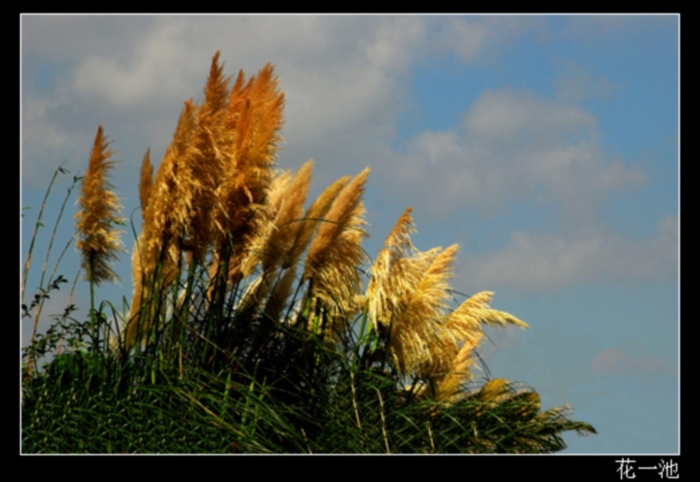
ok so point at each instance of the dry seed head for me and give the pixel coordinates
(335, 255)
(285, 205)
(216, 93)
(200, 165)
(253, 121)
(203, 166)
(184, 128)
(250, 141)
(467, 321)
(340, 219)
(416, 312)
(263, 221)
(278, 297)
(287, 221)
(390, 275)
(429, 299)
(463, 360)
(311, 219)
(274, 248)
(494, 390)
(407, 297)
(98, 241)
(448, 380)
(398, 242)
(278, 190)
(146, 181)
(170, 203)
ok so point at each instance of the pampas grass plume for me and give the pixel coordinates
(98, 240)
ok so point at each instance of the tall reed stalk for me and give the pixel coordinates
(98, 239)
(53, 282)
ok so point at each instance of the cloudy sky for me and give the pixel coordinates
(546, 146)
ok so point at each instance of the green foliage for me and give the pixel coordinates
(274, 389)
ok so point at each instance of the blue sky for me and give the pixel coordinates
(546, 146)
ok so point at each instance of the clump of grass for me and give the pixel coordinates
(250, 328)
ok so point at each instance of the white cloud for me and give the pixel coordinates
(513, 146)
(393, 45)
(344, 78)
(147, 73)
(341, 75)
(32, 113)
(474, 38)
(509, 116)
(546, 262)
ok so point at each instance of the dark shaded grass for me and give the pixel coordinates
(261, 386)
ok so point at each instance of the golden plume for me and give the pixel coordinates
(276, 240)
(446, 380)
(387, 279)
(408, 301)
(335, 254)
(418, 314)
(166, 218)
(98, 241)
(313, 216)
(467, 320)
(250, 138)
(146, 181)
